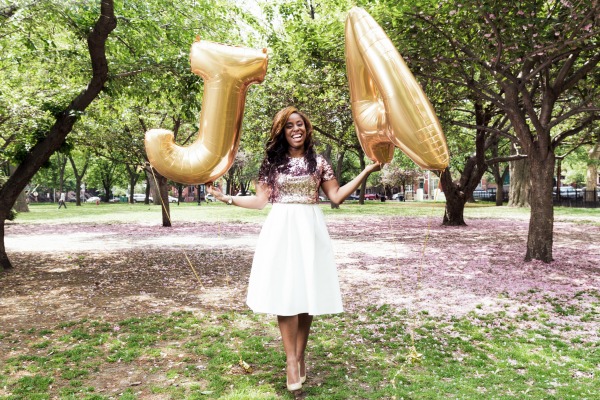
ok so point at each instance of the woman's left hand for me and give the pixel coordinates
(215, 191)
(373, 167)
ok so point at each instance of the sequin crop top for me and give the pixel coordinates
(297, 185)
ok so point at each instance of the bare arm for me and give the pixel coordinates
(338, 194)
(257, 202)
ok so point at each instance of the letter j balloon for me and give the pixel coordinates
(389, 107)
(227, 72)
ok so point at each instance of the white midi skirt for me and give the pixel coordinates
(294, 271)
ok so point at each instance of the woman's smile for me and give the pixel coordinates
(295, 131)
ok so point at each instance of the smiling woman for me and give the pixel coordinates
(293, 273)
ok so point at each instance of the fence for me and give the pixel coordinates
(571, 197)
(489, 195)
(567, 197)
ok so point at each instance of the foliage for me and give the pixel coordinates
(105, 174)
(44, 65)
(307, 69)
(394, 175)
(479, 46)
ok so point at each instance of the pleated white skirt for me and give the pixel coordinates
(294, 271)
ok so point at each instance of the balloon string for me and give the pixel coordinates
(171, 222)
(245, 366)
(414, 355)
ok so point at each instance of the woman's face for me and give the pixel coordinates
(295, 132)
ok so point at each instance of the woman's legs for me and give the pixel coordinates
(304, 322)
(294, 334)
(288, 325)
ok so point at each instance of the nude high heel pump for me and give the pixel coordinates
(294, 386)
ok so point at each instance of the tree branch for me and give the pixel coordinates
(65, 120)
(515, 157)
(571, 132)
(571, 113)
(581, 72)
(489, 129)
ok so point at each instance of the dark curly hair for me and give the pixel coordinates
(276, 157)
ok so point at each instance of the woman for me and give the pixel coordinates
(293, 273)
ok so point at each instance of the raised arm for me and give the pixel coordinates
(257, 202)
(338, 194)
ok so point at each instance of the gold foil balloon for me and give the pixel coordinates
(388, 105)
(227, 72)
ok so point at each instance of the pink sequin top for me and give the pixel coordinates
(297, 185)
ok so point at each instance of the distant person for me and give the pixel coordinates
(61, 201)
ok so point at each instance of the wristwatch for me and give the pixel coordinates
(230, 201)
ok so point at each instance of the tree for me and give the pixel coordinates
(478, 155)
(592, 172)
(152, 85)
(79, 164)
(535, 62)
(49, 138)
(399, 175)
(105, 173)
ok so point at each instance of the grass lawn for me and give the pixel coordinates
(49, 213)
(537, 342)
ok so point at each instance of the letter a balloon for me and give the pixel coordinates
(388, 105)
(227, 72)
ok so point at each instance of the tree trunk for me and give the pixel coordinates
(590, 187)
(78, 178)
(592, 174)
(558, 176)
(62, 166)
(520, 185)
(338, 173)
(160, 193)
(107, 185)
(541, 222)
(4, 260)
(455, 201)
(363, 185)
(163, 199)
(458, 193)
(179, 191)
(133, 178)
(499, 178)
(21, 203)
(55, 137)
